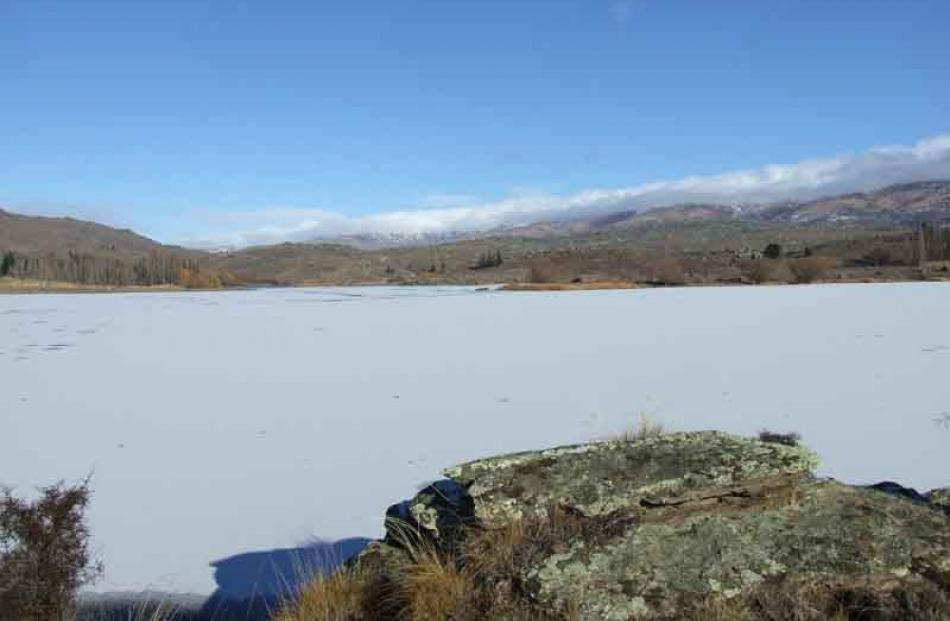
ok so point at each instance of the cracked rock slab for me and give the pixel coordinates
(827, 529)
(608, 477)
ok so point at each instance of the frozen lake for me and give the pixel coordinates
(217, 424)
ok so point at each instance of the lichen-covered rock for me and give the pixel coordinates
(823, 529)
(940, 498)
(603, 478)
(702, 515)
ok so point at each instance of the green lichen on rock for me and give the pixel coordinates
(829, 529)
(604, 478)
(675, 518)
(940, 498)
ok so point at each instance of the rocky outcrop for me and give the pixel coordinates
(609, 477)
(824, 529)
(940, 498)
(689, 515)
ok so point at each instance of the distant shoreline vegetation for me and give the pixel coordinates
(897, 234)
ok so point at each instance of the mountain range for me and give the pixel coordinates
(77, 250)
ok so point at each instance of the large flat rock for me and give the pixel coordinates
(825, 531)
(603, 478)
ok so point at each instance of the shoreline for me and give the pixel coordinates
(10, 286)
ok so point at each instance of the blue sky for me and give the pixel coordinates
(257, 121)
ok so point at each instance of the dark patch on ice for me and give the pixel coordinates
(935, 349)
(57, 346)
(87, 331)
(330, 301)
(342, 294)
(254, 584)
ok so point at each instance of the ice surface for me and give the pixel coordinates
(219, 424)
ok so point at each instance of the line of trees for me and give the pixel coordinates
(7, 263)
(936, 242)
(488, 259)
(156, 268)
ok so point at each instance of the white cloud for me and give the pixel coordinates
(877, 167)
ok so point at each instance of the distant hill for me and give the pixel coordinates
(78, 251)
(27, 234)
(893, 206)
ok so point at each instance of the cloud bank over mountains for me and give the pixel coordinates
(876, 167)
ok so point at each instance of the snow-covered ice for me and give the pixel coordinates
(221, 423)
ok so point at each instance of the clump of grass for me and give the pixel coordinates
(499, 554)
(646, 428)
(788, 439)
(142, 609)
(339, 596)
(477, 580)
(436, 588)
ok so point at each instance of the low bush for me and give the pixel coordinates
(811, 268)
(760, 271)
(542, 271)
(44, 552)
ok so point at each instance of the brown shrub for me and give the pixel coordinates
(760, 270)
(542, 271)
(44, 552)
(193, 278)
(665, 271)
(810, 269)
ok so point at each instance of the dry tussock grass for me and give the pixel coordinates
(335, 597)
(646, 428)
(479, 582)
